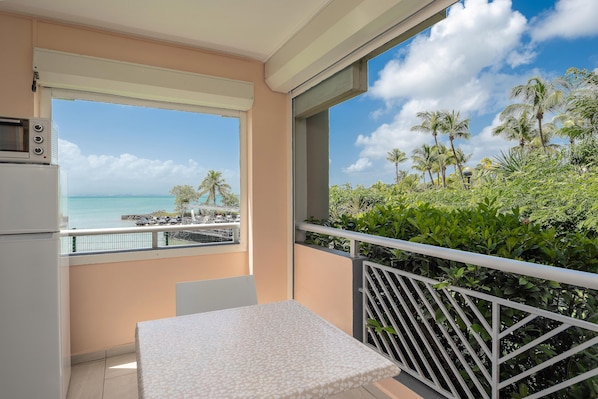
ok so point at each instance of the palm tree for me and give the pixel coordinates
(485, 168)
(424, 159)
(550, 130)
(444, 157)
(538, 97)
(518, 129)
(455, 128)
(430, 124)
(213, 183)
(230, 200)
(582, 102)
(450, 160)
(396, 156)
(572, 127)
(462, 158)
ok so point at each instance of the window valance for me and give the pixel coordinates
(78, 72)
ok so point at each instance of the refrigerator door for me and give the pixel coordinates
(35, 358)
(29, 198)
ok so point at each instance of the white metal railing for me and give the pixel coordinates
(469, 344)
(567, 276)
(81, 241)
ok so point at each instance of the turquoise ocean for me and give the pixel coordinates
(98, 212)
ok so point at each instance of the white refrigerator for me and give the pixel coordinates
(34, 290)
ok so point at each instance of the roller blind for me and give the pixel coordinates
(100, 75)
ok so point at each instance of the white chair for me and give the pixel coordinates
(207, 295)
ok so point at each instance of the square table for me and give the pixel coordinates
(276, 350)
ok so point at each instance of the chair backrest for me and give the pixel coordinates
(207, 295)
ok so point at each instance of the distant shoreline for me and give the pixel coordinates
(151, 219)
(88, 212)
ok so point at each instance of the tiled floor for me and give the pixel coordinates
(111, 378)
(116, 378)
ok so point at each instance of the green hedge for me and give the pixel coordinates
(485, 228)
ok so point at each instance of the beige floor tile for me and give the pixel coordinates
(121, 387)
(87, 380)
(357, 393)
(376, 392)
(394, 389)
(117, 366)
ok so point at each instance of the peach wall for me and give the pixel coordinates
(270, 206)
(323, 282)
(268, 170)
(107, 300)
(16, 72)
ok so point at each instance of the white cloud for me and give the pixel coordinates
(397, 134)
(359, 166)
(569, 19)
(523, 56)
(455, 67)
(473, 37)
(124, 174)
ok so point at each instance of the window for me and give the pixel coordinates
(123, 157)
(128, 159)
(131, 160)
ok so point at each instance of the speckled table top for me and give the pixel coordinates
(277, 350)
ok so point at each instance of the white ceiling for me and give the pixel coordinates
(296, 39)
(248, 28)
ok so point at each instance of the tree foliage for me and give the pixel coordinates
(537, 202)
(184, 195)
(582, 103)
(396, 156)
(538, 96)
(212, 185)
(486, 228)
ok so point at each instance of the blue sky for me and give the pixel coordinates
(111, 149)
(468, 62)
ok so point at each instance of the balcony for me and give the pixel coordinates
(457, 342)
(450, 342)
(111, 292)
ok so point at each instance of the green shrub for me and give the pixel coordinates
(486, 229)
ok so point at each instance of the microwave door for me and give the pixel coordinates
(11, 139)
(14, 139)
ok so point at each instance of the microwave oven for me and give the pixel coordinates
(27, 141)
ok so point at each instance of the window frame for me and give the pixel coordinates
(47, 94)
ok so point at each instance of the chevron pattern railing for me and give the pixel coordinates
(467, 344)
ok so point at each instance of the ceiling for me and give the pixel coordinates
(249, 28)
(297, 40)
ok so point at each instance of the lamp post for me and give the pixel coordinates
(468, 172)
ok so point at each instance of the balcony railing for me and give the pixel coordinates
(464, 343)
(80, 241)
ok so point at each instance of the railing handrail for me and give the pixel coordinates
(558, 274)
(147, 229)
